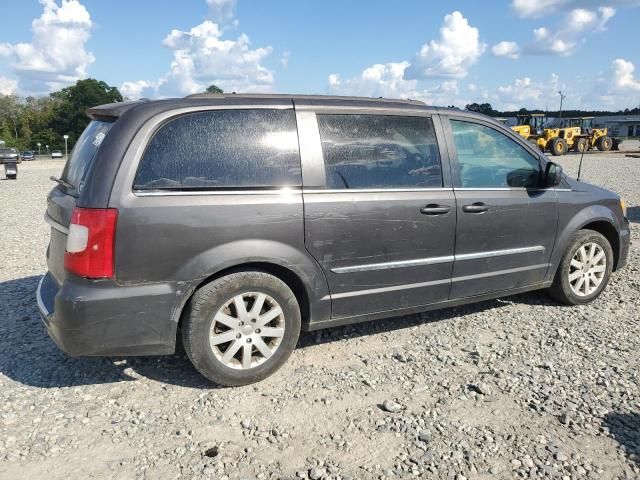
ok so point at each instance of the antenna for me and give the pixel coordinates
(580, 164)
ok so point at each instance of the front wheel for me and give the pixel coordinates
(241, 328)
(584, 270)
(604, 144)
(558, 147)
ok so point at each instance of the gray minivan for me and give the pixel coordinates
(236, 221)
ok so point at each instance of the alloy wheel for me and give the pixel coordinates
(587, 269)
(247, 330)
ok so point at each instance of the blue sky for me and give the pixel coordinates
(502, 52)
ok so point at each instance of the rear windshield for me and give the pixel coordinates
(83, 154)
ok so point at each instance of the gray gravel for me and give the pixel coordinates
(513, 388)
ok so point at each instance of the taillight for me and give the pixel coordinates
(90, 243)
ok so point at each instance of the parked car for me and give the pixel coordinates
(27, 155)
(10, 158)
(238, 221)
(56, 154)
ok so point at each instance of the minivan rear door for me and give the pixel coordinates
(379, 210)
(63, 198)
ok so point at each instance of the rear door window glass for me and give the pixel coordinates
(83, 153)
(379, 151)
(223, 149)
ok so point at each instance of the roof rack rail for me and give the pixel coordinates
(303, 97)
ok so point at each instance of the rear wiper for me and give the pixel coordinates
(59, 181)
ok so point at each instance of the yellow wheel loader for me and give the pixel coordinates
(579, 135)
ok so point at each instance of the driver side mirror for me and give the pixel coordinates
(552, 174)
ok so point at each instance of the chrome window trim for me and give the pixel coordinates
(182, 193)
(436, 260)
(507, 189)
(55, 225)
(375, 190)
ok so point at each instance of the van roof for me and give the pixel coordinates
(114, 110)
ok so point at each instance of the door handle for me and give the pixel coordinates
(477, 207)
(433, 209)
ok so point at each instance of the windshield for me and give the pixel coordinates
(83, 154)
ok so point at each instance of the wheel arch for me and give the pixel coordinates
(595, 217)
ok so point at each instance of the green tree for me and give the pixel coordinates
(214, 89)
(485, 108)
(70, 104)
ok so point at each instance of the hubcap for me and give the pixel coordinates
(247, 330)
(587, 269)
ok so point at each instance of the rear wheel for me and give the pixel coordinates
(12, 177)
(241, 328)
(580, 145)
(584, 270)
(604, 144)
(558, 147)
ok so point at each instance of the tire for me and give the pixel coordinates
(581, 145)
(558, 147)
(12, 177)
(604, 144)
(217, 301)
(562, 289)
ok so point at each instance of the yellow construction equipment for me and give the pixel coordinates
(579, 135)
(575, 134)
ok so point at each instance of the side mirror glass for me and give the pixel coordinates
(553, 174)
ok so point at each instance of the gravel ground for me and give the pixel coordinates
(513, 388)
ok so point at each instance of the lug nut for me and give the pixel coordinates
(248, 340)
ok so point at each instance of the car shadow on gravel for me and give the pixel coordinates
(28, 356)
(633, 214)
(625, 429)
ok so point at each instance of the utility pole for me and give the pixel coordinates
(562, 97)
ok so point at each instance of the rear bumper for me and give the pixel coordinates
(85, 317)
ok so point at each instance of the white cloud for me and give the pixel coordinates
(388, 81)
(458, 48)
(506, 49)
(570, 32)
(222, 10)
(8, 86)
(201, 57)
(284, 60)
(543, 8)
(56, 55)
(623, 77)
(525, 92)
(379, 80)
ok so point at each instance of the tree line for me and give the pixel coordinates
(27, 121)
(487, 109)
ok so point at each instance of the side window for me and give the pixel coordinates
(488, 158)
(223, 149)
(379, 151)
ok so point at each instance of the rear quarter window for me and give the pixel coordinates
(84, 153)
(222, 149)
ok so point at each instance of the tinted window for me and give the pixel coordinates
(84, 152)
(223, 149)
(379, 151)
(488, 158)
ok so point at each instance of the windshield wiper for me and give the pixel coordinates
(64, 183)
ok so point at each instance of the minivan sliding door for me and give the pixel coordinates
(379, 211)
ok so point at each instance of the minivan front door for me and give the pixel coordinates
(382, 225)
(507, 223)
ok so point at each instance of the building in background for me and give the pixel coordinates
(620, 126)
